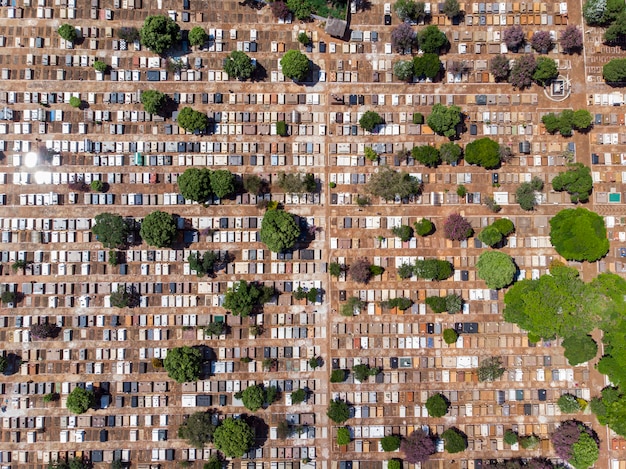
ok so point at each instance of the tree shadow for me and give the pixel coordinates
(260, 73)
(260, 429)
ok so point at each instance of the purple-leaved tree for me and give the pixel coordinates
(513, 37)
(457, 228)
(541, 42)
(572, 39)
(280, 9)
(564, 437)
(417, 447)
(500, 68)
(522, 71)
(402, 37)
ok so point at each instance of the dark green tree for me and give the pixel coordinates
(100, 66)
(390, 442)
(424, 227)
(338, 411)
(362, 372)
(451, 8)
(68, 32)
(338, 376)
(80, 400)
(443, 120)
(546, 70)
(295, 64)
(183, 364)
(450, 336)
(197, 429)
(427, 66)
(243, 297)
(404, 232)
(301, 9)
(568, 404)
(437, 405)
(192, 120)
(121, 298)
(455, 441)
(233, 437)
(298, 396)
(388, 184)
(158, 229)
(343, 436)
(195, 184)
(3, 363)
(369, 120)
(483, 152)
(497, 269)
(431, 39)
(159, 33)
(577, 181)
(578, 234)
(427, 155)
(279, 230)
(198, 36)
(490, 369)
(238, 65)
(153, 101)
(451, 153)
(490, 236)
(222, 182)
(110, 229)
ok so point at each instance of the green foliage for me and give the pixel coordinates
(222, 183)
(510, 437)
(121, 297)
(400, 302)
(443, 120)
(233, 437)
(436, 303)
(390, 443)
(613, 10)
(431, 39)
(585, 452)
(424, 227)
(461, 191)
(490, 236)
(404, 232)
(376, 270)
(215, 328)
(202, 264)
(253, 184)
(238, 65)
(579, 348)
(253, 397)
(297, 183)
(303, 38)
(427, 155)
(433, 269)
(483, 152)
(578, 234)
(110, 230)
(97, 185)
(80, 400)
(403, 70)
(490, 369)
(351, 306)
(437, 405)
(418, 118)
(343, 436)
(568, 404)
(183, 364)
(369, 120)
(338, 376)
(281, 128)
(427, 66)
(370, 154)
(546, 70)
(9, 297)
(454, 303)
(279, 230)
(576, 181)
(504, 226)
(338, 411)
(128, 34)
(75, 101)
(214, 462)
(335, 269)
(614, 71)
(451, 8)
(197, 36)
(450, 336)
(409, 10)
(195, 184)
(153, 101)
(295, 64)
(298, 396)
(582, 119)
(388, 184)
(68, 32)
(301, 9)
(526, 197)
(593, 12)
(192, 120)
(497, 269)
(405, 271)
(529, 442)
(50, 397)
(454, 440)
(451, 153)
(159, 33)
(394, 464)
(197, 429)
(158, 229)
(243, 298)
(362, 372)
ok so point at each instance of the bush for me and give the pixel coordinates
(243, 297)
(343, 436)
(409, 10)
(68, 32)
(404, 232)
(497, 269)
(450, 336)
(338, 376)
(75, 101)
(490, 369)
(80, 400)
(418, 118)
(451, 153)
(360, 271)
(394, 464)
(370, 154)
(504, 226)
(436, 303)
(427, 155)
(579, 348)
(578, 234)
(424, 227)
(369, 120)
(568, 404)
(461, 191)
(335, 269)
(376, 270)
(529, 442)
(197, 429)
(457, 228)
(454, 440)
(400, 302)
(510, 437)
(433, 269)
(390, 443)
(614, 71)
(483, 152)
(526, 197)
(405, 271)
(295, 65)
(454, 303)
(97, 186)
(490, 236)
(362, 372)
(437, 405)
(197, 36)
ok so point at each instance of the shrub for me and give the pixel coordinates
(369, 120)
(450, 336)
(545, 70)
(436, 303)
(281, 128)
(433, 269)
(338, 411)
(461, 191)
(343, 436)
(568, 404)
(394, 464)
(295, 65)
(418, 118)
(68, 32)
(457, 228)
(335, 269)
(443, 120)
(390, 443)
(424, 227)
(298, 396)
(437, 405)
(75, 101)
(490, 236)
(454, 440)
(526, 197)
(510, 437)
(197, 36)
(427, 66)
(405, 271)
(389, 184)
(338, 376)
(360, 271)
(304, 39)
(451, 153)
(504, 226)
(614, 71)
(490, 369)
(80, 400)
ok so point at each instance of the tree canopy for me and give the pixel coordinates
(195, 184)
(183, 364)
(158, 229)
(238, 65)
(437, 405)
(576, 443)
(197, 429)
(578, 234)
(243, 297)
(614, 71)
(159, 33)
(295, 65)
(253, 397)
(279, 230)
(455, 441)
(497, 269)
(577, 181)
(68, 32)
(222, 182)
(369, 120)
(390, 442)
(483, 152)
(443, 120)
(490, 369)
(338, 411)
(233, 437)
(431, 39)
(417, 447)
(197, 36)
(545, 70)
(427, 66)
(191, 120)
(427, 155)
(153, 101)
(388, 183)
(80, 400)
(110, 229)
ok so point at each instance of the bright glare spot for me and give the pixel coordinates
(43, 177)
(30, 160)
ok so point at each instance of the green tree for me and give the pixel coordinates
(443, 120)
(121, 298)
(197, 429)
(110, 229)
(409, 10)
(613, 10)
(403, 70)
(577, 181)
(3, 365)
(243, 297)
(388, 184)
(295, 64)
(504, 226)
(233, 437)
(450, 336)
(352, 305)
(214, 462)
(451, 153)
(529, 442)
(159, 33)
(433, 269)
(583, 120)
(585, 452)
(490, 369)
(454, 440)
(593, 12)
(338, 411)
(297, 183)
(68, 32)
(431, 39)
(80, 400)
(369, 120)
(222, 183)
(497, 269)
(253, 184)
(100, 66)
(483, 152)
(197, 36)
(579, 348)
(302, 9)
(298, 396)
(424, 227)
(568, 404)
(578, 234)
(405, 271)
(343, 436)
(192, 120)
(427, 155)
(451, 8)
(195, 184)
(510, 437)
(279, 230)
(526, 197)
(183, 364)
(551, 122)
(75, 101)
(362, 372)
(437, 405)
(153, 101)
(390, 443)
(281, 128)
(546, 70)
(404, 232)
(427, 66)
(97, 185)
(215, 328)
(335, 269)
(158, 229)
(614, 71)
(253, 397)
(490, 236)
(239, 65)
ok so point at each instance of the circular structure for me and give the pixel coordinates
(30, 159)
(559, 89)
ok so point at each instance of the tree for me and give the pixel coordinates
(338, 411)
(214, 462)
(197, 429)
(110, 229)
(490, 369)
(431, 39)
(297, 183)
(427, 155)
(541, 42)
(450, 336)
(198, 36)
(403, 70)
(159, 33)
(9, 297)
(335, 269)
(279, 9)
(389, 184)
(568, 404)
(572, 39)
(455, 441)
(613, 10)
(496, 268)
(304, 39)
(578, 234)
(192, 120)
(593, 12)
(121, 298)
(614, 71)
(444, 120)
(451, 8)
(424, 227)
(75, 102)
(450, 153)
(579, 349)
(243, 298)
(504, 226)
(183, 364)
(513, 37)
(437, 405)
(551, 122)
(526, 197)
(404, 232)
(215, 328)
(295, 64)
(362, 372)
(390, 443)
(100, 66)
(253, 397)
(500, 68)
(352, 305)
(222, 182)
(454, 303)
(338, 376)
(582, 119)
(97, 185)
(128, 34)
(545, 70)
(302, 9)
(417, 447)
(522, 71)
(403, 38)
(233, 437)
(343, 436)
(360, 271)
(483, 152)
(409, 10)
(195, 184)
(490, 236)
(298, 396)
(427, 66)
(153, 101)
(279, 230)
(510, 437)
(253, 184)
(577, 181)
(158, 229)
(585, 452)
(457, 228)
(491, 204)
(239, 65)
(80, 400)
(43, 330)
(576, 443)
(369, 120)
(68, 32)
